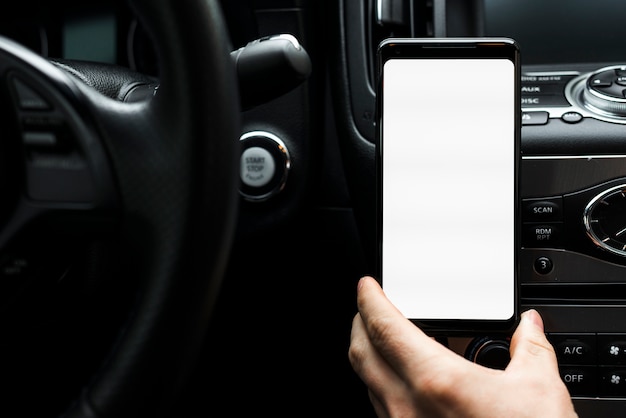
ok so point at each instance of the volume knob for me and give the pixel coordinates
(489, 352)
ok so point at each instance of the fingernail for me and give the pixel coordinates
(534, 317)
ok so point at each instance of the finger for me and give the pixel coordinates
(529, 346)
(532, 355)
(382, 382)
(404, 346)
(380, 410)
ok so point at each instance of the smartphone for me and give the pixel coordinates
(447, 164)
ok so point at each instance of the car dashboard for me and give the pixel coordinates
(305, 237)
(572, 265)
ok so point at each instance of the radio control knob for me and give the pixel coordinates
(489, 352)
(605, 91)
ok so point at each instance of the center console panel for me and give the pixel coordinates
(573, 180)
(573, 260)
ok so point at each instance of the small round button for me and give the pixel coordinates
(543, 265)
(488, 352)
(264, 165)
(572, 117)
(257, 167)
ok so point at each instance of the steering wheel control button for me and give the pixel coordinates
(264, 165)
(543, 265)
(571, 117)
(40, 139)
(27, 98)
(257, 167)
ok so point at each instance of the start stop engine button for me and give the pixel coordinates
(264, 165)
(257, 167)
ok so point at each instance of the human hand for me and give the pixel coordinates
(409, 374)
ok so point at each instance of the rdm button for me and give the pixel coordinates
(539, 235)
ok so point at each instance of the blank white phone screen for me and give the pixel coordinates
(448, 135)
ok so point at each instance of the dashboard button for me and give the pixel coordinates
(547, 100)
(571, 117)
(543, 210)
(264, 165)
(612, 349)
(257, 167)
(543, 265)
(542, 234)
(580, 380)
(598, 82)
(534, 118)
(488, 352)
(574, 348)
(28, 98)
(612, 382)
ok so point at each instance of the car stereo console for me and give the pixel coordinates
(573, 196)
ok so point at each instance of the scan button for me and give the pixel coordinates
(541, 210)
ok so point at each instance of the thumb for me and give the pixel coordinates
(529, 346)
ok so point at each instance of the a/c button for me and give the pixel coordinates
(257, 167)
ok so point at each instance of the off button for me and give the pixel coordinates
(257, 167)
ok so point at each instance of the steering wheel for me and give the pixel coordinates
(160, 175)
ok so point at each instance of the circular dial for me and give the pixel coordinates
(605, 91)
(605, 220)
(489, 352)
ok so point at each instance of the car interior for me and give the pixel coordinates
(190, 199)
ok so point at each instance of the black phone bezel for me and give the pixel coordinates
(452, 48)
